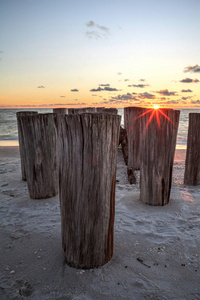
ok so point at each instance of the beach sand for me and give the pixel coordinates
(156, 249)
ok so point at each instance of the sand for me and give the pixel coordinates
(156, 249)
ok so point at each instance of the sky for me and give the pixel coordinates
(111, 53)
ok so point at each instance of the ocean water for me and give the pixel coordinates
(9, 132)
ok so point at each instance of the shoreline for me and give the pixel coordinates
(156, 249)
(14, 143)
(5, 148)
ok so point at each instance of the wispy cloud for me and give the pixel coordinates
(127, 96)
(124, 99)
(98, 32)
(63, 104)
(105, 88)
(186, 91)
(138, 85)
(106, 84)
(195, 101)
(189, 80)
(41, 87)
(185, 98)
(146, 96)
(74, 90)
(166, 93)
(62, 96)
(172, 102)
(194, 69)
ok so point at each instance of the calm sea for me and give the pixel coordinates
(9, 133)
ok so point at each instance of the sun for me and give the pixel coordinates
(156, 106)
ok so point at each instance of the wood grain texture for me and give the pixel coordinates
(81, 110)
(60, 111)
(88, 146)
(192, 162)
(157, 156)
(125, 117)
(106, 110)
(40, 142)
(21, 140)
(134, 129)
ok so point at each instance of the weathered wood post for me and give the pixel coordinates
(157, 155)
(106, 110)
(125, 117)
(192, 162)
(99, 109)
(134, 130)
(81, 110)
(40, 142)
(87, 174)
(132, 116)
(21, 140)
(60, 110)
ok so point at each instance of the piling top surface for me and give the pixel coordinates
(24, 113)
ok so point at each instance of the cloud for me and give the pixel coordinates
(99, 89)
(58, 104)
(195, 101)
(138, 85)
(41, 87)
(142, 80)
(172, 102)
(74, 90)
(126, 79)
(166, 93)
(119, 73)
(106, 88)
(186, 91)
(107, 84)
(90, 24)
(93, 35)
(122, 99)
(74, 104)
(93, 24)
(127, 96)
(100, 32)
(146, 96)
(194, 69)
(189, 80)
(62, 96)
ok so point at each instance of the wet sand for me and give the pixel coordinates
(156, 249)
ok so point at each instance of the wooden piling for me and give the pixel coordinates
(134, 130)
(40, 141)
(106, 110)
(21, 140)
(125, 117)
(192, 162)
(60, 110)
(88, 146)
(157, 155)
(81, 110)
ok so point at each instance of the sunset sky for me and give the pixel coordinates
(111, 53)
